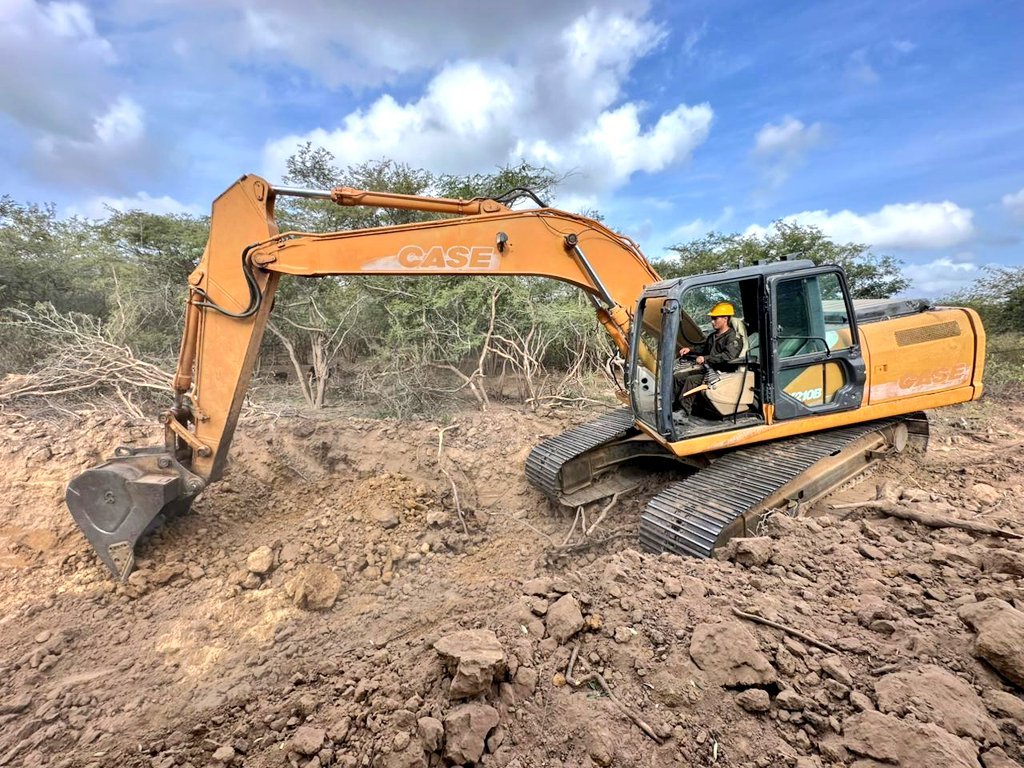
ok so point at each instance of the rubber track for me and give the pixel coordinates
(545, 462)
(687, 517)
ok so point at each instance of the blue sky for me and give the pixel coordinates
(900, 125)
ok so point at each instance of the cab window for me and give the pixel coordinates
(811, 315)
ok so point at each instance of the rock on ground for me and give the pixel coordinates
(260, 561)
(308, 740)
(937, 696)
(465, 730)
(224, 754)
(729, 653)
(600, 744)
(1003, 561)
(1000, 638)
(1002, 704)
(997, 758)
(564, 618)
(907, 744)
(752, 551)
(476, 658)
(754, 700)
(431, 733)
(316, 588)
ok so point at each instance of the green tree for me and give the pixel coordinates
(871, 275)
(45, 259)
(413, 330)
(998, 295)
(157, 252)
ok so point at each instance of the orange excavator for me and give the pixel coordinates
(822, 387)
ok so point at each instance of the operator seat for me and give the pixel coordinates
(735, 391)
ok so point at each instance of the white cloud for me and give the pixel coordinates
(860, 70)
(117, 140)
(941, 277)
(699, 227)
(1014, 203)
(124, 123)
(99, 207)
(901, 225)
(789, 137)
(61, 89)
(560, 107)
(57, 66)
(781, 147)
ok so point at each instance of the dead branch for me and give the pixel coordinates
(81, 355)
(522, 522)
(929, 519)
(785, 628)
(300, 376)
(597, 678)
(561, 399)
(604, 513)
(575, 521)
(451, 480)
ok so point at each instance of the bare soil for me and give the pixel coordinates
(200, 661)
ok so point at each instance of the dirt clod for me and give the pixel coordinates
(307, 740)
(754, 700)
(729, 653)
(465, 729)
(906, 743)
(316, 588)
(1000, 636)
(260, 560)
(564, 618)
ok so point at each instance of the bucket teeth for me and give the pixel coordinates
(117, 502)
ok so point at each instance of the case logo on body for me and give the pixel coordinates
(454, 258)
(934, 379)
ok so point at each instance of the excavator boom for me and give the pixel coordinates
(231, 294)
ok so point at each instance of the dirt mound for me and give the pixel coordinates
(331, 604)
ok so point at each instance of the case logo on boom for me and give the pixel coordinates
(454, 258)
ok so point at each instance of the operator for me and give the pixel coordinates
(722, 346)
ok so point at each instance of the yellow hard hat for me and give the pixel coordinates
(722, 309)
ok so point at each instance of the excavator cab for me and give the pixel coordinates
(800, 356)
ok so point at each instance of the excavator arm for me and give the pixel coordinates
(231, 295)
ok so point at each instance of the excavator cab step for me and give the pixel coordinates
(117, 502)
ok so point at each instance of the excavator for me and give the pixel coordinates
(823, 387)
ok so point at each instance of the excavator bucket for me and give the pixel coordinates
(118, 501)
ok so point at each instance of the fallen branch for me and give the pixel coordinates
(929, 519)
(574, 549)
(561, 399)
(451, 480)
(785, 628)
(600, 517)
(575, 522)
(596, 677)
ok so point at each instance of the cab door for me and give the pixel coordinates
(817, 366)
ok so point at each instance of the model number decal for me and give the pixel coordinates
(806, 395)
